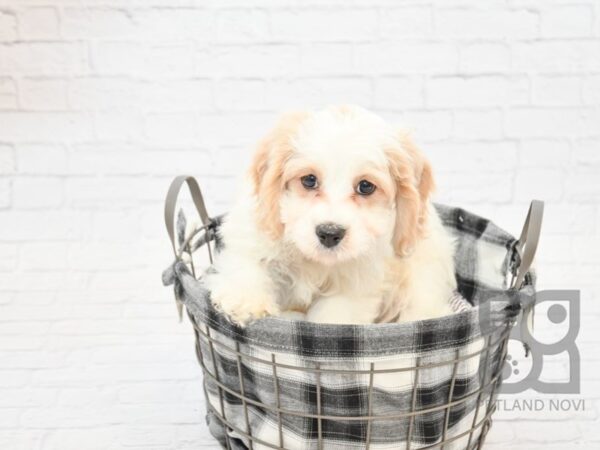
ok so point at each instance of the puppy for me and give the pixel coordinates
(335, 223)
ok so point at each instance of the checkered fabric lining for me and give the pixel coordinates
(236, 359)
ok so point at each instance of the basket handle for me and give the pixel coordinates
(526, 247)
(171, 202)
(528, 242)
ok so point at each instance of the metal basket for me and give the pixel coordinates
(259, 396)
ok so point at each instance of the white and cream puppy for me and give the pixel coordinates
(335, 224)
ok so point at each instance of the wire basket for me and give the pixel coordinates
(281, 384)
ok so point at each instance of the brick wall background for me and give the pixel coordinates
(102, 102)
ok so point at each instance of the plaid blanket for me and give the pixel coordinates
(298, 385)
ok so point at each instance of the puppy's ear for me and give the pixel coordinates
(422, 168)
(413, 177)
(266, 171)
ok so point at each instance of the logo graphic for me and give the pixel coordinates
(543, 357)
(557, 324)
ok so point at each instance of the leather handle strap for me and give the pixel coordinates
(526, 247)
(171, 203)
(528, 241)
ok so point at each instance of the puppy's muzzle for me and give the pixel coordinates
(330, 234)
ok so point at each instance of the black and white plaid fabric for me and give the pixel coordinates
(300, 385)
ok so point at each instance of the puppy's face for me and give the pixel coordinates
(338, 198)
(339, 184)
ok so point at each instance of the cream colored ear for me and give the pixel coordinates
(422, 167)
(266, 171)
(414, 184)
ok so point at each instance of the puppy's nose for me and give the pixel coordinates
(330, 234)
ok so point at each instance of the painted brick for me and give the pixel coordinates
(557, 90)
(490, 57)
(476, 91)
(44, 58)
(591, 90)
(429, 124)
(8, 94)
(318, 91)
(406, 22)
(103, 94)
(43, 94)
(242, 25)
(327, 58)
(490, 23)
(399, 93)
(540, 183)
(556, 56)
(37, 193)
(178, 95)
(394, 58)
(8, 27)
(7, 160)
(43, 256)
(312, 25)
(478, 124)
(174, 24)
(39, 23)
(98, 23)
(544, 153)
(552, 122)
(5, 193)
(248, 61)
(52, 127)
(42, 159)
(567, 21)
(9, 254)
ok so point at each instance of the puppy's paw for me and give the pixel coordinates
(242, 300)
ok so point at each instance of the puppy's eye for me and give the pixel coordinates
(365, 187)
(309, 181)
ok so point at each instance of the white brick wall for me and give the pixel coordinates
(102, 102)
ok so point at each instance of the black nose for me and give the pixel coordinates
(330, 234)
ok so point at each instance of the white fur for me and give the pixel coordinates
(429, 271)
(258, 274)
